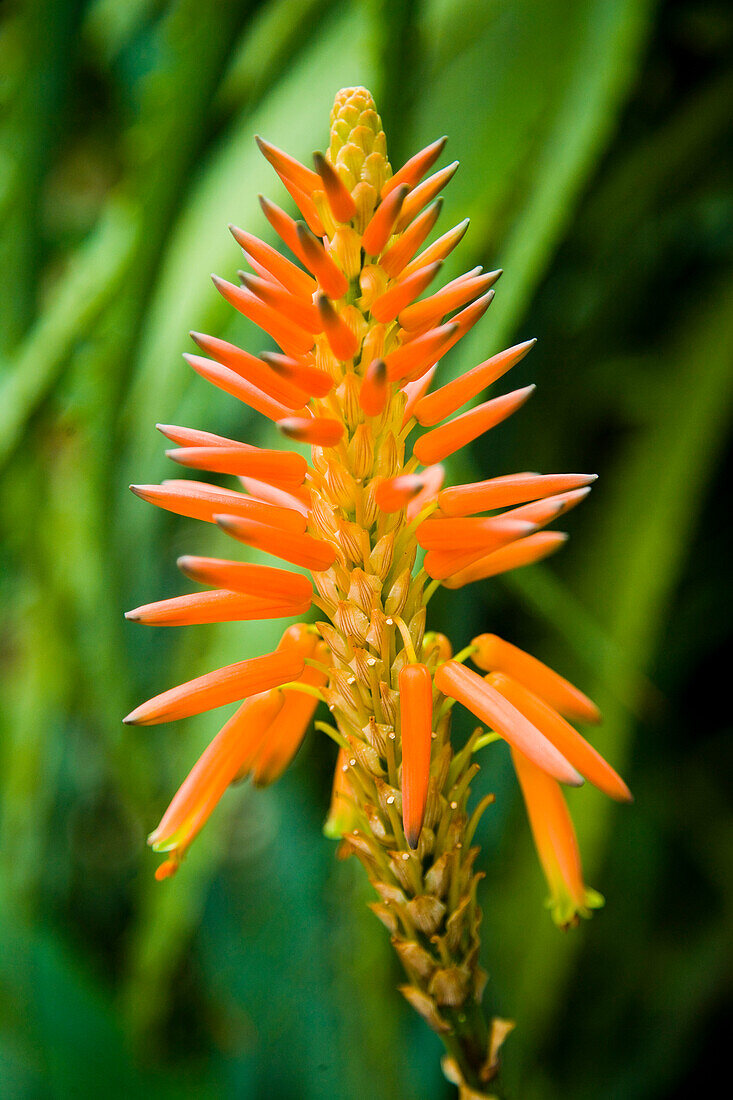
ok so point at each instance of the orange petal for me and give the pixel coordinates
(404, 247)
(449, 398)
(500, 492)
(288, 166)
(198, 500)
(291, 338)
(425, 193)
(413, 170)
(216, 768)
(223, 606)
(382, 222)
(319, 431)
(374, 388)
(567, 740)
(493, 654)
(292, 278)
(339, 197)
(431, 311)
(441, 442)
(420, 354)
(416, 721)
(524, 551)
(232, 383)
(468, 688)
(216, 689)
(332, 280)
(439, 249)
(343, 341)
(251, 368)
(556, 843)
(301, 550)
(263, 581)
(303, 313)
(312, 380)
(386, 307)
(281, 466)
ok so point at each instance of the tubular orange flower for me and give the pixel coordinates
(358, 354)
(500, 492)
(215, 689)
(556, 843)
(416, 719)
(201, 501)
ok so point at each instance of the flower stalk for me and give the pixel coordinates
(368, 521)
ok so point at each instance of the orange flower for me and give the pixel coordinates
(557, 846)
(360, 339)
(416, 717)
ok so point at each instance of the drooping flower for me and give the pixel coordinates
(361, 333)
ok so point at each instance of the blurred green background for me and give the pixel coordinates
(594, 140)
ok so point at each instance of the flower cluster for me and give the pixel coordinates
(374, 532)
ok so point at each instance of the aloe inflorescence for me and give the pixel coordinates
(374, 532)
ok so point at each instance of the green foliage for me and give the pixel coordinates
(591, 137)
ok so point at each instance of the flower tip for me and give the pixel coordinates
(133, 616)
(412, 835)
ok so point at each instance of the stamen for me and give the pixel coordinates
(216, 689)
(279, 466)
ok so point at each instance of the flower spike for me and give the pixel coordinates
(362, 324)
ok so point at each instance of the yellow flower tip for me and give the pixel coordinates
(566, 911)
